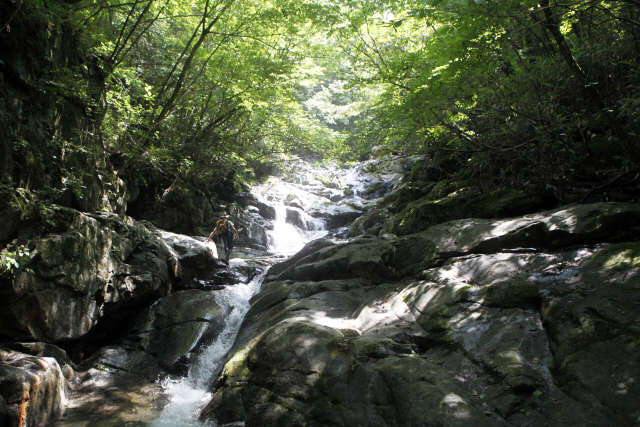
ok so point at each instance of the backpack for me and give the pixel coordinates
(222, 225)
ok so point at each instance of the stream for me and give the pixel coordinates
(189, 394)
(303, 206)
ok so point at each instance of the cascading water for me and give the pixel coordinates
(188, 395)
(286, 239)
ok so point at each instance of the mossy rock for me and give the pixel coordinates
(398, 200)
(619, 257)
(424, 171)
(368, 221)
(513, 293)
(463, 203)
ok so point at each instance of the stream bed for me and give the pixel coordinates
(110, 393)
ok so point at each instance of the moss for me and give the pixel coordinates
(238, 367)
(354, 206)
(453, 187)
(512, 293)
(619, 257)
(339, 345)
(464, 202)
(495, 202)
(419, 172)
(464, 292)
(405, 195)
(438, 190)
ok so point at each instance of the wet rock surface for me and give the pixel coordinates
(31, 389)
(176, 325)
(100, 279)
(424, 317)
(524, 321)
(91, 274)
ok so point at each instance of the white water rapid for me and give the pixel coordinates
(189, 394)
(286, 239)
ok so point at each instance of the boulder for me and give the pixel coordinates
(295, 217)
(403, 194)
(373, 219)
(66, 277)
(425, 171)
(246, 199)
(476, 322)
(266, 211)
(463, 203)
(380, 150)
(337, 215)
(32, 390)
(549, 230)
(114, 361)
(175, 326)
(192, 253)
(91, 273)
(376, 189)
(41, 349)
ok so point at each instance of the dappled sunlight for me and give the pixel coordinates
(513, 356)
(453, 400)
(112, 399)
(484, 269)
(564, 219)
(320, 318)
(375, 316)
(457, 404)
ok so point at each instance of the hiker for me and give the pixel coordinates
(226, 231)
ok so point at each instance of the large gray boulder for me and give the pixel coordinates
(483, 322)
(383, 259)
(175, 326)
(338, 215)
(91, 271)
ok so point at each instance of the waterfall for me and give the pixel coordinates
(189, 394)
(286, 239)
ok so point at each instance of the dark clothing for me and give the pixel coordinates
(227, 241)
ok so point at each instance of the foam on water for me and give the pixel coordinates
(189, 394)
(286, 239)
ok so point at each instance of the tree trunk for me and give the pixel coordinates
(550, 24)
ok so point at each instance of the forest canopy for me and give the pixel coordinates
(537, 94)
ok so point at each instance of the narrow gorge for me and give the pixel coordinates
(437, 205)
(381, 319)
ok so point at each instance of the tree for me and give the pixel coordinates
(493, 84)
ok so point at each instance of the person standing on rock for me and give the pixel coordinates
(227, 232)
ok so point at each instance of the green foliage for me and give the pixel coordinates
(485, 85)
(201, 89)
(11, 258)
